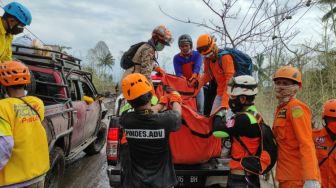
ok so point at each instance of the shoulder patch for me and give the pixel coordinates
(230, 123)
(320, 140)
(297, 111)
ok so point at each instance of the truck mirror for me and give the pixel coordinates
(88, 100)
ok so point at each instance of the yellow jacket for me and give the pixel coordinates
(30, 156)
(5, 44)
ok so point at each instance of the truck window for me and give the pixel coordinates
(74, 90)
(87, 91)
(47, 92)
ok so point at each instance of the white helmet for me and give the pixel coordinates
(242, 85)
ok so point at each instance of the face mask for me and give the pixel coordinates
(159, 46)
(208, 55)
(332, 127)
(16, 30)
(236, 105)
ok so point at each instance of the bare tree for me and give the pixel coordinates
(255, 25)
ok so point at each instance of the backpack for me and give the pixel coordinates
(126, 61)
(242, 62)
(267, 153)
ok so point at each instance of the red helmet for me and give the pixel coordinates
(329, 108)
(14, 73)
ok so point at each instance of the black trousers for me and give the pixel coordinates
(241, 181)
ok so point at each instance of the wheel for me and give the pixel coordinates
(99, 143)
(55, 175)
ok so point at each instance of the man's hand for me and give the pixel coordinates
(175, 97)
(159, 70)
(193, 81)
(222, 113)
(163, 100)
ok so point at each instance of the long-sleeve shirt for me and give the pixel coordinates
(222, 75)
(146, 62)
(5, 44)
(296, 151)
(323, 145)
(187, 65)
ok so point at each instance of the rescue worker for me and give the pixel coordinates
(325, 145)
(147, 134)
(242, 126)
(297, 165)
(188, 64)
(206, 45)
(24, 155)
(145, 57)
(13, 21)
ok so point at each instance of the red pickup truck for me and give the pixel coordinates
(72, 122)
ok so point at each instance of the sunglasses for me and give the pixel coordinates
(203, 48)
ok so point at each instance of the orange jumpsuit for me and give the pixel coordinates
(297, 160)
(223, 75)
(323, 144)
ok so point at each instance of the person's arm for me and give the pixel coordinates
(198, 63)
(301, 123)
(6, 143)
(172, 118)
(8, 52)
(234, 126)
(228, 69)
(146, 60)
(177, 66)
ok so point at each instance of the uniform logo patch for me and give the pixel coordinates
(320, 140)
(282, 113)
(145, 133)
(230, 123)
(297, 112)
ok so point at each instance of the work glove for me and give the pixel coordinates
(159, 70)
(219, 133)
(193, 80)
(164, 100)
(175, 97)
(311, 184)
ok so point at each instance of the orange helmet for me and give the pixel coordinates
(288, 72)
(134, 85)
(14, 73)
(206, 44)
(329, 108)
(162, 34)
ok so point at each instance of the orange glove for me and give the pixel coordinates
(193, 81)
(159, 70)
(164, 100)
(175, 97)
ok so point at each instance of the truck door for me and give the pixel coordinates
(79, 112)
(92, 110)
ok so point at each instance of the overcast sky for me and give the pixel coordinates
(80, 24)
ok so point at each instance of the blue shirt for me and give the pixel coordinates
(187, 65)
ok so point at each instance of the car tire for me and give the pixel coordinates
(55, 174)
(99, 143)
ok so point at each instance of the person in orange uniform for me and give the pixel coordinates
(297, 165)
(325, 144)
(206, 45)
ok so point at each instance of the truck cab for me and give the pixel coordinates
(73, 109)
